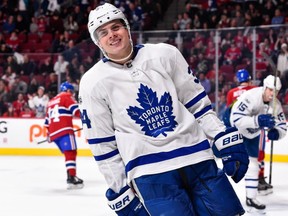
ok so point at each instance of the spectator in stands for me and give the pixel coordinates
(19, 103)
(9, 25)
(4, 91)
(72, 52)
(10, 112)
(9, 76)
(39, 102)
(282, 65)
(205, 82)
(21, 26)
(2, 39)
(135, 16)
(233, 55)
(5, 49)
(60, 66)
(56, 25)
(78, 15)
(88, 62)
(3, 107)
(42, 25)
(278, 18)
(27, 112)
(28, 67)
(46, 67)
(13, 41)
(32, 87)
(70, 25)
(52, 86)
(19, 86)
(33, 26)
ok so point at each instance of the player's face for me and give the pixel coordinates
(113, 37)
(268, 94)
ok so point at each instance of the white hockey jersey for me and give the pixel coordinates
(245, 111)
(146, 117)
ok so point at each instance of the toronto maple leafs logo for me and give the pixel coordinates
(155, 117)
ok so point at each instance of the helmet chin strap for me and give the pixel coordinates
(123, 59)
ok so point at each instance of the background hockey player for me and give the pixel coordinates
(244, 79)
(147, 120)
(58, 121)
(250, 113)
(245, 83)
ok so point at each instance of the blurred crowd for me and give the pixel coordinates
(45, 41)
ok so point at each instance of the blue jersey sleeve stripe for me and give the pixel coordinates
(106, 156)
(162, 156)
(203, 111)
(101, 140)
(237, 113)
(195, 100)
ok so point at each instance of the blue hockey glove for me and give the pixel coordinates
(266, 120)
(125, 203)
(233, 153)
(273, 134)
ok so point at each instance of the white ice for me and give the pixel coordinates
(36, 186)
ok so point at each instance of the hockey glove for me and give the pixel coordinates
(273, 134)
(125, 203)
(233, 153)
(266, 120)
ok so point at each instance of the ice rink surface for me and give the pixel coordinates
(36, 186)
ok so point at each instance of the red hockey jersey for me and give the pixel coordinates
(59, 115)
(234, 93)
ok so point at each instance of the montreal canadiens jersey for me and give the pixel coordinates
(59, 115)
(234, 93)
(146, 117)
(248, 106)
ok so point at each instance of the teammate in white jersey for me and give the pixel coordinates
(149, 123)
(253, 111)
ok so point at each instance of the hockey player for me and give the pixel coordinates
(244, 80)
(250, 113)
(148, 122)
(58, 121)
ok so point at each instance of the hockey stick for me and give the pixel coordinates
(46, 140)
(274, 68)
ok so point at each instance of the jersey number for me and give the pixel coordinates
(54, 113)
(85, 119)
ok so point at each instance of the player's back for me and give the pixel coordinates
(234, 93)
(59, 115)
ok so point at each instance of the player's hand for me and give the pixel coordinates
(266, 120)
(125, 203)
(233, 153)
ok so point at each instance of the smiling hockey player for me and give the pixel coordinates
(149, 123)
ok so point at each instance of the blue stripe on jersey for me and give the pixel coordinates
(101, 140)
(73, 107)
(64, 111)
(203, 111)
(106, 156)
(195, 100)
(163, 156)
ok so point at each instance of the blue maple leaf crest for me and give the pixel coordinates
(155, 117)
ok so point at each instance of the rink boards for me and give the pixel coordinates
(20, 137)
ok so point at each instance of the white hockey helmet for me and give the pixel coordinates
(102, 15)
(269, 82)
